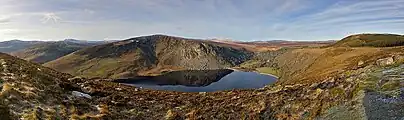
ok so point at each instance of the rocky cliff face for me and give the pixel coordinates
(142, 55)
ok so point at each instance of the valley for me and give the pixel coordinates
(337, 80)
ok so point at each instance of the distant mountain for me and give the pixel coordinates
(272, 45)
(148, 55)
(371, 40)
(48, 51)
(15, 45)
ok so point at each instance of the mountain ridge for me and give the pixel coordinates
(371, 40)
(141, 55)
(48, 51)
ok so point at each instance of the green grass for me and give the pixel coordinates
(391, 85)
(268, 70)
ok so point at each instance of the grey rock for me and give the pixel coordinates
(80, 94)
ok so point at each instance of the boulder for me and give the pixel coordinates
(80, 95)
(385, 61)
(360, 63)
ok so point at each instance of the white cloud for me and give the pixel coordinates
(4, 19)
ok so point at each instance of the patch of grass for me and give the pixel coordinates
(391, 85)
(268, 70)
(336, 91)
(250, 64)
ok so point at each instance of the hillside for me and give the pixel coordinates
(265, 46)
(370, 90)
(15, 45)
(148, 55)
(315, 83)
(48, 51)
(371, 40)
(30, 91)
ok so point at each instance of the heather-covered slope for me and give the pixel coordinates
(48, 51)
(311, 64)
(148, 55)
(31, 91)
(371, 40)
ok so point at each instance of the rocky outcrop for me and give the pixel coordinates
(385, 61)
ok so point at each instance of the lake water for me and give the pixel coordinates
(202, 80)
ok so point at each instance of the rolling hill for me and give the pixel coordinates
(15, 45)
(48, 51)
(371, 40)
(148, 55)
(315, 83)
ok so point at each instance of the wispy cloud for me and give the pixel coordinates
(50, 17)
(236, 19)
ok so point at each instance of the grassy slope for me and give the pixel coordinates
(371, 40)
(311, 65)
(33, 91)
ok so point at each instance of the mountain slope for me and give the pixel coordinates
(15, 45)
(49, 51)
(148, 55)
(31, 91)
(352, 83)
(371, 40)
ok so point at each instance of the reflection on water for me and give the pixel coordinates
(202, 80)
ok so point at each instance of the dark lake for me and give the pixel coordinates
(202, 80)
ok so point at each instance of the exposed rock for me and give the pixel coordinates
(385, 61)
(80, 94)
(360, 63)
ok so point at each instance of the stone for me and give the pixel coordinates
(385, 61)
(360, 63)
(80, 94)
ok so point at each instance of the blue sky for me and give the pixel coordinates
(224, 19)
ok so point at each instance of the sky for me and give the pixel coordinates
(246, 20)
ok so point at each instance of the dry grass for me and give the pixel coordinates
(313, 64)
